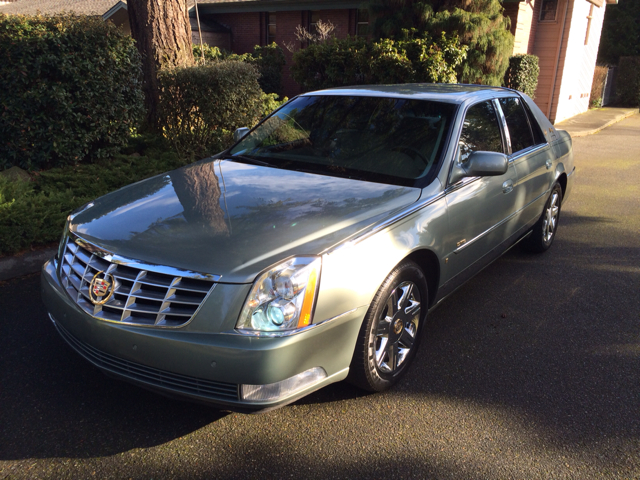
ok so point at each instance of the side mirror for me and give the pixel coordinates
(480, 164)
(239, 133)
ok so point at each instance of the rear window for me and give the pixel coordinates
(517, 123)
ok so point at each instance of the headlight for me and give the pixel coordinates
(282, 298)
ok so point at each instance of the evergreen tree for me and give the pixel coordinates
(478, 23)
(620, 32)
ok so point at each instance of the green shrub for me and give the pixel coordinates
(71, 90)
(270, 62)
(597, 86)
(200, 107)
(211, 53)
(522, 74)
(268, 59)
(628, 81)
(356, 61)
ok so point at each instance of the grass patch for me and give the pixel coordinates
(32, 213)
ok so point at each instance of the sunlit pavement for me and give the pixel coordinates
(531, 370)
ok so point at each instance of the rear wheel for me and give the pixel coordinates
(544, 231)
(389, 335)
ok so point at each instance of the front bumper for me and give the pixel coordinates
(202, 366)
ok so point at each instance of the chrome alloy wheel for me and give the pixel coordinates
(397, 326)
(551, 217)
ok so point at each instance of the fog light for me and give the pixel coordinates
(283, 389)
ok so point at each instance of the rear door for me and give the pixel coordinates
(531, 156)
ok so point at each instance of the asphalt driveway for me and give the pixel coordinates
(532, 370)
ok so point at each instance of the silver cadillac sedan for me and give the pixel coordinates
(312, 250)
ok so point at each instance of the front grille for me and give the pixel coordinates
(149, 375)
(140, 296)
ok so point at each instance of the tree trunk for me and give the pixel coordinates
(162, 33)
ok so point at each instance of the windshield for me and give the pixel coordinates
(388, 140)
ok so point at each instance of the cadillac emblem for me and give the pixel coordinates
(100, 289)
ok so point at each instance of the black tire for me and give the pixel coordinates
(387, 343)
(544, 231)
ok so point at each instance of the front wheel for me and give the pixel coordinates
(389, 335)
(544, 231)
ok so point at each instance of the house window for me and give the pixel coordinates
(362, 22)
(548, 10)
(271, 27)
(313, 22)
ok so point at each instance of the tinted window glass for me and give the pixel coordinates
(517, 122)
(390, 140)
(481, 131)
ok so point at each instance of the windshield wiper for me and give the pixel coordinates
(251, 160)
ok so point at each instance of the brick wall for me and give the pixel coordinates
(249, 29)
(246, 29)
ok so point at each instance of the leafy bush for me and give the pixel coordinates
(355, 61)
(211, 53)
(522, 74)
(628, 81)
(597, 86)
(269, 60)
(479, 24)
(33, 212)
(71, 90)
(200, 107)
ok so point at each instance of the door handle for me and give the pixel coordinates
(549, 163)
(507, 186)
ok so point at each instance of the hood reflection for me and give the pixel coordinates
(234, 219)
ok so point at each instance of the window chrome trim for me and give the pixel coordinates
(503, 121)
(500, 223)
(130, 262)
(527, 151)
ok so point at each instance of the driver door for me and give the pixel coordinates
(478, 208)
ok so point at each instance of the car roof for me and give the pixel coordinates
(443, 92)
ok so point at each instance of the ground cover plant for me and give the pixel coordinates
(32, 213)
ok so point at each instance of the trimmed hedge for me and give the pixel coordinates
(200, 107)
(628, 81)
(356, 61)
(71, 90)
(522, 74)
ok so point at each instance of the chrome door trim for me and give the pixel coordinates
(503, 123)
(527, 151)
(502, 222)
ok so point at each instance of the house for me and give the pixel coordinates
(564, 34)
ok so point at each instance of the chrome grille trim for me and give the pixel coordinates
(152, 376)
(143, 294)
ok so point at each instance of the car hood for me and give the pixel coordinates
(233, 219)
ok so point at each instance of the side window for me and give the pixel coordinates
(517, 122)
(480, 131)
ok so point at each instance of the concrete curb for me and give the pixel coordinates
(24, 264)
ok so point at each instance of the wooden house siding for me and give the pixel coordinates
(567, 87)
(579, 61)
